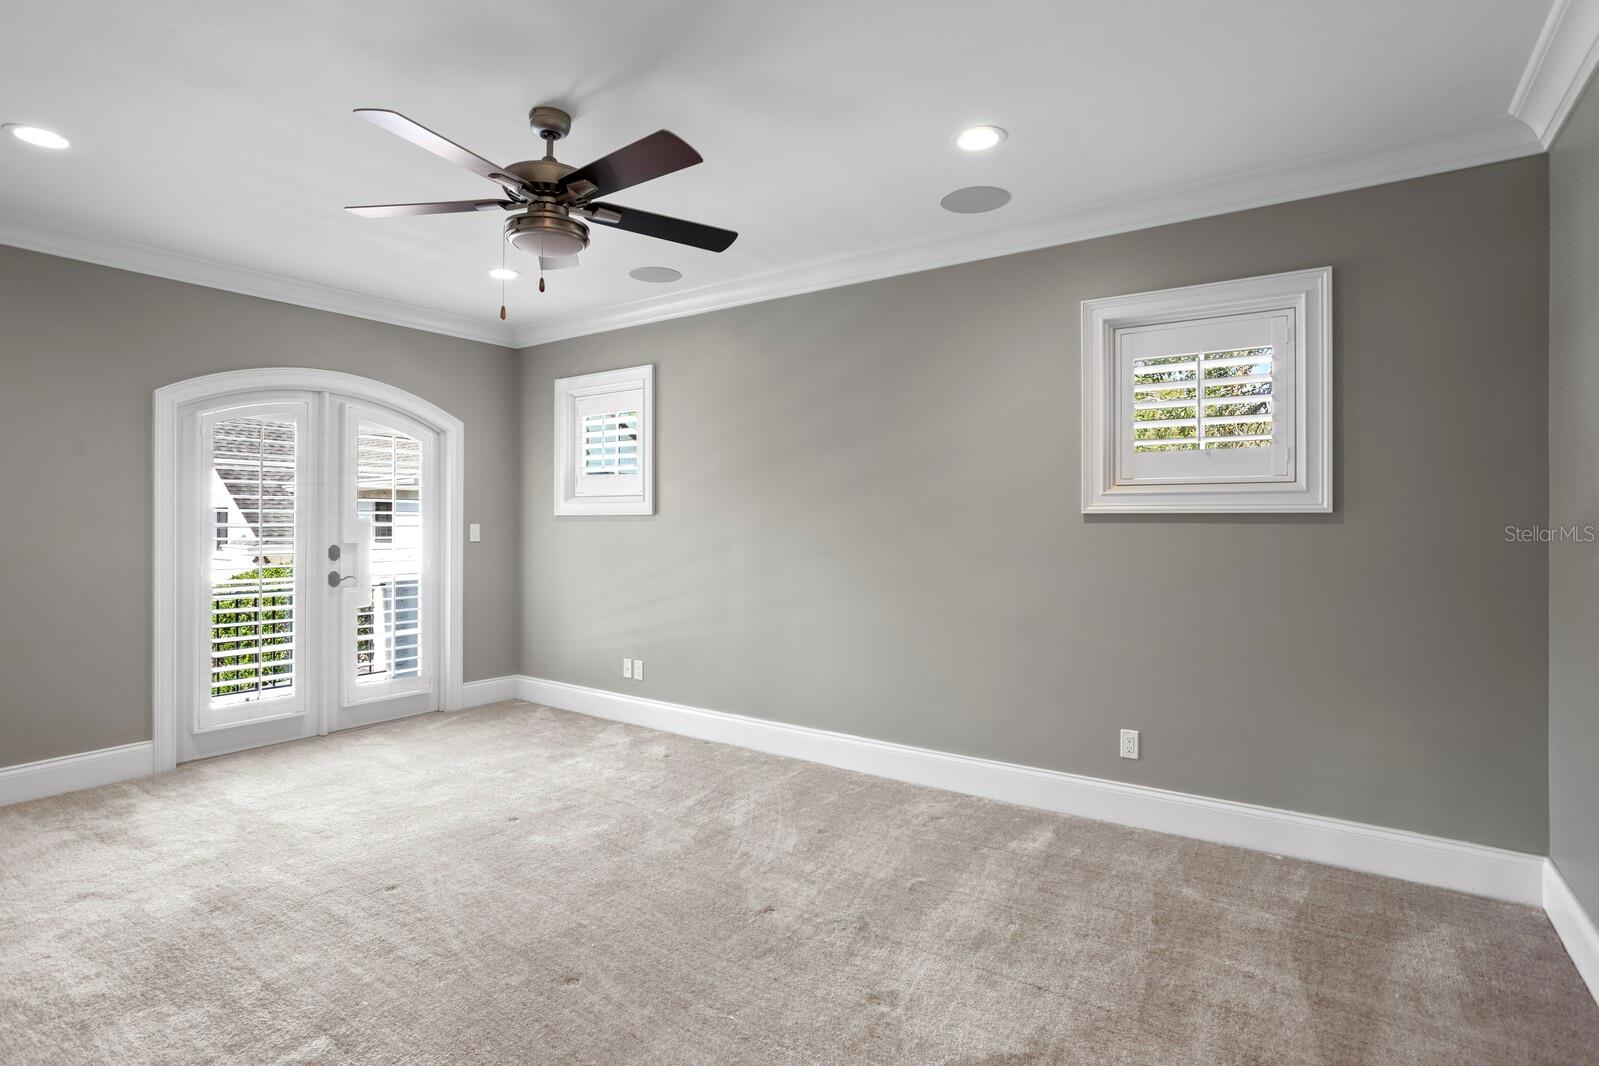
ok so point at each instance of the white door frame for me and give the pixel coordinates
(167, 588)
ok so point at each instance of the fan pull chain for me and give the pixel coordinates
(502, 279)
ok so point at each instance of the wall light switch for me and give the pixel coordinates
(638, 669)
(627, 667)
(474, 532)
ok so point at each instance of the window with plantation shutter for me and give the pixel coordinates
(603, 437)
(1211, 398)
(1199, 401)
(610, 444)
(1203, 400)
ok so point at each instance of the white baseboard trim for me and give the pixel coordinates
(1454, 864)
(491, 690)
(1575, 927)
(89, 769)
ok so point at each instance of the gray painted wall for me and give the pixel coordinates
(846, 537)
(1574, 501)
(81, 350)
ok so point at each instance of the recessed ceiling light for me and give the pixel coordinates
(503, 274)
(975, 199)
(34, 135)
(979, 138)
(654, 275)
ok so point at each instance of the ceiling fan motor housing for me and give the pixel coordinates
(546, 230)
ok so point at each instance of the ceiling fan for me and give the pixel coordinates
(548, 200)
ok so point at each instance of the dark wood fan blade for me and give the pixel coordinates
(664, 227)
(647, 158)
(442, 147)
(447, 207)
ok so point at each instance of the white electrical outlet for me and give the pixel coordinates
(474, 532)
(1129, 744)
(627, 667)
(638, 669)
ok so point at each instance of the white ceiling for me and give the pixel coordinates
(214, 142)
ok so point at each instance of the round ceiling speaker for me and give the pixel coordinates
(655, 275)
(553, 236)
(975, 199)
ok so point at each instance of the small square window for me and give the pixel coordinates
(1213, 398)
(603, 443)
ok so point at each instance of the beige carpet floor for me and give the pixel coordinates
(523, 885)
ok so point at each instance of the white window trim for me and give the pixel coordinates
(567, 392)
(172, 588)
(1309, 294)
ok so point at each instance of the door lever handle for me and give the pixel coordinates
(334, 579)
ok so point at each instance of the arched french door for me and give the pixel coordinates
(308, 560)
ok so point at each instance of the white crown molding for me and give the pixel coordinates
(89, 769)
(37, 236)
(1490, 141)
(1562, 61)
(1453, 864)
(1576, 928)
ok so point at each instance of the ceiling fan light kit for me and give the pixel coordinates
(551, 203)
(545, 230)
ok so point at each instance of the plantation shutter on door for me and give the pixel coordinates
(389, 496)
(251, 597)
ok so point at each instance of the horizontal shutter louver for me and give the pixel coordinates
(610, 443)
(1192, 402)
